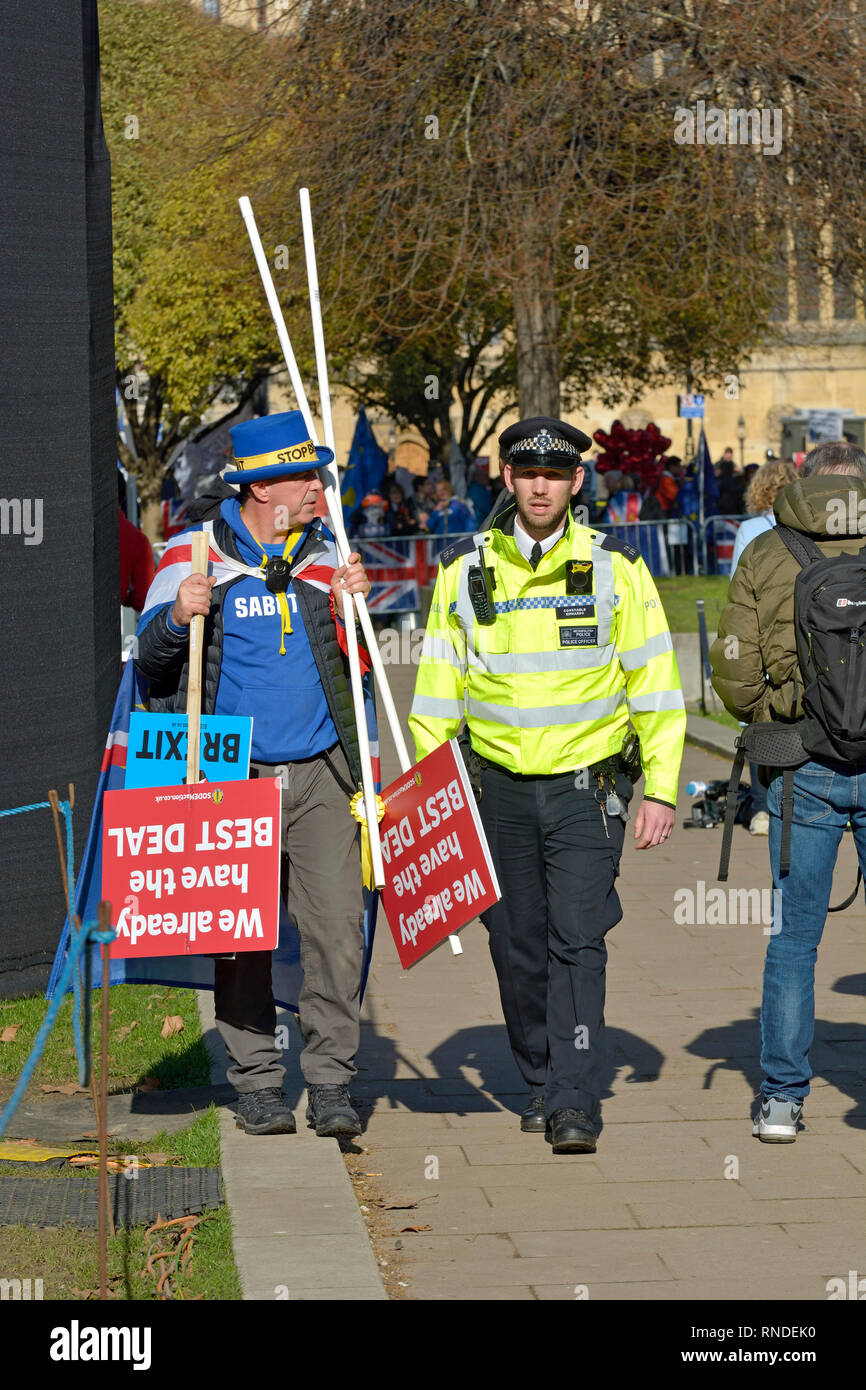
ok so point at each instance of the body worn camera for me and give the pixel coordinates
(481, 581)
(277, 574)
(578, 576)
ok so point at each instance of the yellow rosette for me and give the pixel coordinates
(366, 857)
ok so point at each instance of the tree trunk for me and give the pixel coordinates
(536, 322)
(150, 515)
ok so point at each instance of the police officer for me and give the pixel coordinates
(550, 638)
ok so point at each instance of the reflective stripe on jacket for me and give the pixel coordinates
(553, 683)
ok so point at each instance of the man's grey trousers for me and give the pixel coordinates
(325, 899)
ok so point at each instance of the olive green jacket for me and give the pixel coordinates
(754, 659)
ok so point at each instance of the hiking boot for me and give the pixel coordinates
(776, 1118)
(571, 1132)
(760, 823)
(533, 1120)
(330, 1113)
(264, 1112)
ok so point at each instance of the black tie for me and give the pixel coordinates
(536, 555)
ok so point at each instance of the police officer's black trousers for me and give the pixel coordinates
(557, 872)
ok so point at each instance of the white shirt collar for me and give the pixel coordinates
(525, 541)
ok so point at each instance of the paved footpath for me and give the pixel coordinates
(680, 1202)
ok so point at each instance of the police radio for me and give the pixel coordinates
(481, 582)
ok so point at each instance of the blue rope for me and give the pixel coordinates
(37, 806)
(89, 933)
(82, 1044)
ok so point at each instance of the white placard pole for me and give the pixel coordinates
(341, 542)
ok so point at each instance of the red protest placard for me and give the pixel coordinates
(438, 870)
(193, 870)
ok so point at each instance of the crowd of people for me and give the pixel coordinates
(424, 504)
(427, 504)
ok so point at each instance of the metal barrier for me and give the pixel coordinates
(400, 566)
(669, 547)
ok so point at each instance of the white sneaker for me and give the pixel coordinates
(776, 1119)
(760, 823)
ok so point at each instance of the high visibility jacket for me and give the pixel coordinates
(554, 682)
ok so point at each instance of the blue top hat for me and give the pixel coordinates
(274, 446)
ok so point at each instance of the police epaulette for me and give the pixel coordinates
(614, 543)
(456, 549)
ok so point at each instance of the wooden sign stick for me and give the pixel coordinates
(200, 542)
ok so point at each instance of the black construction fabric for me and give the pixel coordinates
(830, 632)
(135, 1201)
(162, 655)
(60, 635)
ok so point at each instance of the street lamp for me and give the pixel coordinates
(741, 435)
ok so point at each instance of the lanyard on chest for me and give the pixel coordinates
(276, 571)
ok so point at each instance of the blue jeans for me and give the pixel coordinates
(759, 791)
(826, 796)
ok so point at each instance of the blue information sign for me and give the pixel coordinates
(691, 407)
(156, 756)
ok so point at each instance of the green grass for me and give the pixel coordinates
(67, 1261)
(66, 1258)
(678, 597)
(198, 1146)
(135, 1052)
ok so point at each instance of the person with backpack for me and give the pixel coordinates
(761, 493)
(790, 661)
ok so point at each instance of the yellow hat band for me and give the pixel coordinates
(296, 453)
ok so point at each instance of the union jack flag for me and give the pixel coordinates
(398, 569)
(723, 535)
(174, 517)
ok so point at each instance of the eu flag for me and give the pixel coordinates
(367, 466)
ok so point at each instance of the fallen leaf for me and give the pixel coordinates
(150, 1083)
(415, 1228)
(125, 1031)
(69, 1088)
(8, 1034)
(171, 1024)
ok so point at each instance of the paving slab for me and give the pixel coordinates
(296, 1227)
(651, 1214)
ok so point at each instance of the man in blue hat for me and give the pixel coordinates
(272, 650)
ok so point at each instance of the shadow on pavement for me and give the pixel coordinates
(481, 1051)
(837, 1055)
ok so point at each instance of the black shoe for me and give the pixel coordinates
(330, 1112)
(264, 1112)
(571, 1132)
(533, 1120)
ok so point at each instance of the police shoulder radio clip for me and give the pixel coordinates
(481, 581)
(578, 576)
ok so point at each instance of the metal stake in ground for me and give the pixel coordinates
(105, 1217)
